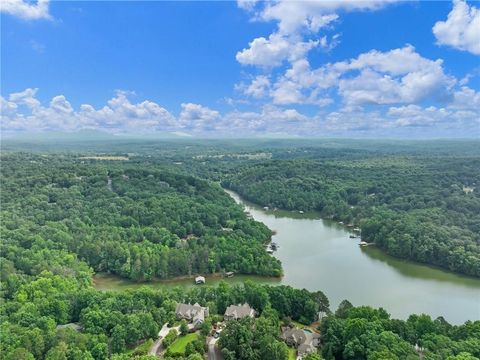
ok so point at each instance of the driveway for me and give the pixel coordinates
(214, 352)
(154, 350)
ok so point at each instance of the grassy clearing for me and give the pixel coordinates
(181, 343)
(292, 354)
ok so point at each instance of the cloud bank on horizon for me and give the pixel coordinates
(389, 92)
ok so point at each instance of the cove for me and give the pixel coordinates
(318, 254)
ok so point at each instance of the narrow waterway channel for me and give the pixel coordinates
(319, 255)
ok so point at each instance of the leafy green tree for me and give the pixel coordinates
(183, 328)
(462, 356)
(206, 326)
(20, 354)
(195, 356)
(100, 351)
(117, 343)
(272, 349)
(343, 309)
(190, 349)
(59, 352)
(169, 338)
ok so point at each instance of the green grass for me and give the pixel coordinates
(180, 344)
(292, 354)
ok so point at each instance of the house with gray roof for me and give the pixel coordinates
(235, 312)
(194, 314)
(305, 342)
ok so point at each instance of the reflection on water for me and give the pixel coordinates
(319, 255)
(407, 268)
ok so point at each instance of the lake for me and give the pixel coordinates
(318, 254)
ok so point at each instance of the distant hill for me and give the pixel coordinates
(82, 135)
(87, 135)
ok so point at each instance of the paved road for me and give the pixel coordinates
(213, 351)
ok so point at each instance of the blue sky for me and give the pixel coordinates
(336, 68)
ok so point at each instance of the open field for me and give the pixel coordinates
(181, 343)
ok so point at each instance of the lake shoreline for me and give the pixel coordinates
(97, 277)
(317, 215)
(317, 254)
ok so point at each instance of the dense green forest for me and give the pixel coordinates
(162, 213)
(115, 324)
(136, 223)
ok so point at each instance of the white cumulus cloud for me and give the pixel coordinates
(258, 88)
(461, 30)
(198, 118)
(273, 51)
(397, 76)
(26, 10)
(24, 112)
(298, 22)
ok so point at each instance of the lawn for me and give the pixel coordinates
(292, 354)
(180, 344)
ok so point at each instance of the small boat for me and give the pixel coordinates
(357, 229)
(270, 251)
(363, 243)
(265, 208)
(301, 212)
(352, 236)
(229, 274)
(200, 280)
(340, 222)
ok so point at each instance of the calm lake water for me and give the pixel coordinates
(319, 255)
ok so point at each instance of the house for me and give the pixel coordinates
(305, 342)
(200, 280)
(229, 274)
(194, 314)
(235, 312)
